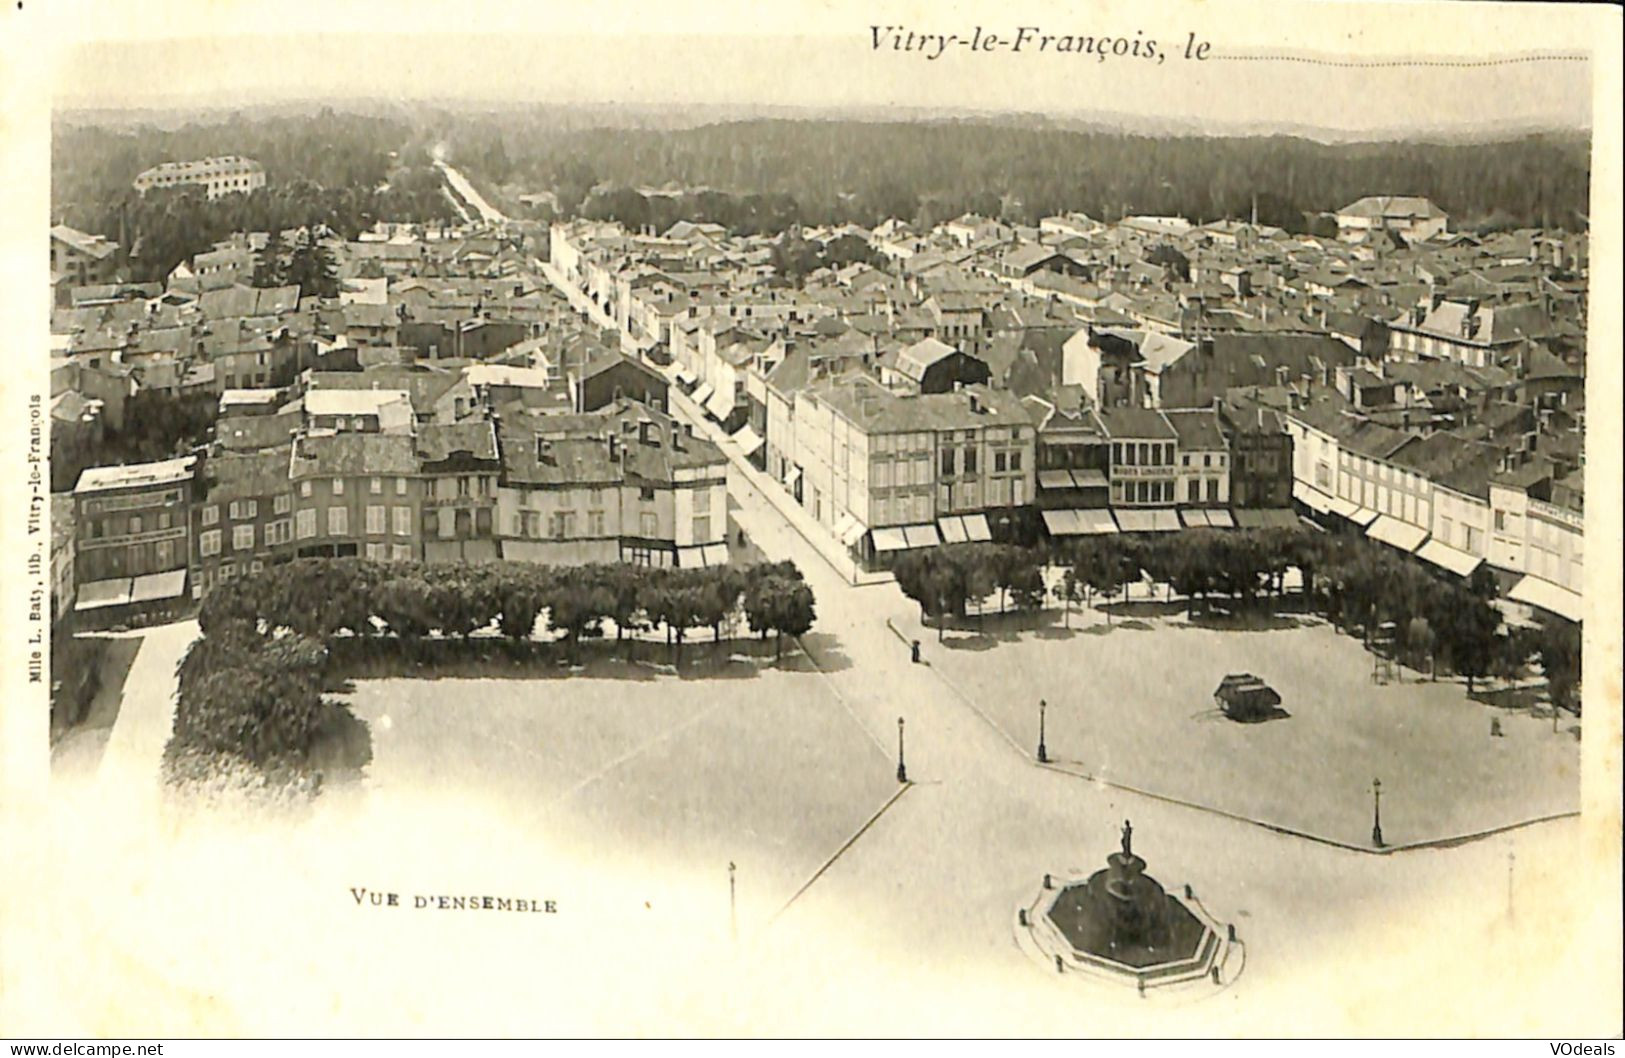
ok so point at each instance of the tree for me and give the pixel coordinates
(1469, 633)
(796, 612)
(270, 270)
(1557, 649)
(310, 268)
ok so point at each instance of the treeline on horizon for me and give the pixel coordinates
(824, 172)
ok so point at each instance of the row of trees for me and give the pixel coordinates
(323, 598)
(1355, 583)
(250, 701)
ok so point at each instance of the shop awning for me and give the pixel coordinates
(953, 530)
(1389, 530)
(792, 476)
(1269, 518)
(747, 440)
(1453, 559)
(1222, 519)
(976, 528)
(1062, 523)
(853, 532)
(702, 555)
(1195, 519)
(890, 540)
(921, 535)
(685, 376)
(721, 403)
(1089, 479)
(99, 593)
(1096, 521)
(1553, 598)
(1362, 516)
(158, 586)
(1311, 497)
(1054, 479)
(1165, 521)
(1133, 521)
(703, 393)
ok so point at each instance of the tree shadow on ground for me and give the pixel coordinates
(1246, 621)
(1143, 608)
(637, 660)
(821, 652)
(343, 746)
(974, 643)
(1523, 699)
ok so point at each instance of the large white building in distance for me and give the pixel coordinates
(228, 175)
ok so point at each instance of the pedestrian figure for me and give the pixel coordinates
(914, 651)
(1495, 727)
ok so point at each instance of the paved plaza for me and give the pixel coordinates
(1131, 702)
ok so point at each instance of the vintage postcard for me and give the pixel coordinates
(834, 520)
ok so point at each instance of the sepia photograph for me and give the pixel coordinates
(884, 520)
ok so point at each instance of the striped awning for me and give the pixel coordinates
(1395, 533)
(1313, 498)
(890, 540)
(721, 403)
(1553, 598)
(921, 535)
(158, 586)
(1457, 561)
(748, 440)
(1361, 516)
(99, 593)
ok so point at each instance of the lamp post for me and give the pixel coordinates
(733, 914)
(902, 772)
(1376, 813)
(1043, 751)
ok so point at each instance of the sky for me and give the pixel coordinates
(1350, 67)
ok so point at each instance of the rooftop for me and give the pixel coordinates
(136, 475)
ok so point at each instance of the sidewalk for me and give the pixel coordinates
(134, 753)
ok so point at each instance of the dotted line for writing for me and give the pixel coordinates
(1464, 63)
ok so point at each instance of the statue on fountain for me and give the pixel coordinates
(1128, 838)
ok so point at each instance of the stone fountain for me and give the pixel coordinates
(1120, 922)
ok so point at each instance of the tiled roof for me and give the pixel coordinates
(351, 454)
(439, 441)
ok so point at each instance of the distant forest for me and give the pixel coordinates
(819, 172)
(348, 170)
(343, 170)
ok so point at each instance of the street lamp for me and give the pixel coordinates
(1043, 751)
(733, 915)
(1376, 813)
(902, 772)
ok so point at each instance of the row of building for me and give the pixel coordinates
(980, 380)
(348, 467)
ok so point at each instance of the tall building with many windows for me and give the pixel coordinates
(226, 175)
(134, 532)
